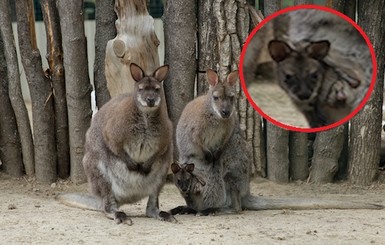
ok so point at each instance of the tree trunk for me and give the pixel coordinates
(365, 133)
(10, 147)
(259, 147)
(105, 31)
(55, 62)
(344, 157)
(135, 41)
(15, 94)
(41, 94)
(345, 6)
(77, 81)
(277, 139)
(277, 153)
(207, 44)
(327, 150)
(271, 6)
(349, 9)
(298, 156)
(180, 28)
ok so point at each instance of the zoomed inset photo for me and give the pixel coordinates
(308, 68)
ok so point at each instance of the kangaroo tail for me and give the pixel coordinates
(80, 200)
(261, 203)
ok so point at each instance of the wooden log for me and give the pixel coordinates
(56, 74)
(77, 82)
(15, 94)
(135, 41)
(41, 95)
(10, 146)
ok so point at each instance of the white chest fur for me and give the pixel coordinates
(141, 150)
(214, 137)
(130, 186)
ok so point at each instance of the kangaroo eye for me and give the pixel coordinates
(215, 97)
(288, 77)
(157, 89)
(314, 76)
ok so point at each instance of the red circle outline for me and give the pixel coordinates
(298, 129)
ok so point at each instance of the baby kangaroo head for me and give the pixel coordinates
(148, 89)
(183, 175)
(222, 94)
(300, 72)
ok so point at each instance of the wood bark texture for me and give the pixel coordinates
(15, 94)
(327, 150)
(135, 41)
(78, 85)
(10, 147)
(277, 139)
(180, 43)
(41, 95)
(365, 133)
(207, 44)
(298, 156)
(277, 153)
(105, 30)
(56, 74)
(271, 6)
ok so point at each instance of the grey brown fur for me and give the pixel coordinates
(203, 130)
(128, 150)
(191, 186)
(320, 92)
(227, 175)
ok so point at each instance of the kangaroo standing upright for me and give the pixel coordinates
(203, 130)
(128, 150)
(209, 136)
(207, 122)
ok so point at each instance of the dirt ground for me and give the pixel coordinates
(30, 215)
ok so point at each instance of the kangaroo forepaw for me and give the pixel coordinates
(121, 217)
(164, 216)
(182, 210)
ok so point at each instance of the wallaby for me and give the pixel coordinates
(315, 88)
(207, 122)
(190, 186)
(205, 126)
(236, 160)
(128, 150)
(200, 120)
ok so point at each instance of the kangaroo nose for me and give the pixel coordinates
(304, 95)
(225, 113)
(150, 102)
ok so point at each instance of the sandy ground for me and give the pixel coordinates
(30, 215)
(274, 102)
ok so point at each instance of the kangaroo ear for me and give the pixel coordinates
(175, 168)
(232, 78)
(318, 50)
(137, 73)
(190, 167)
(279, 50)
(161, 73)
(212, 77)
